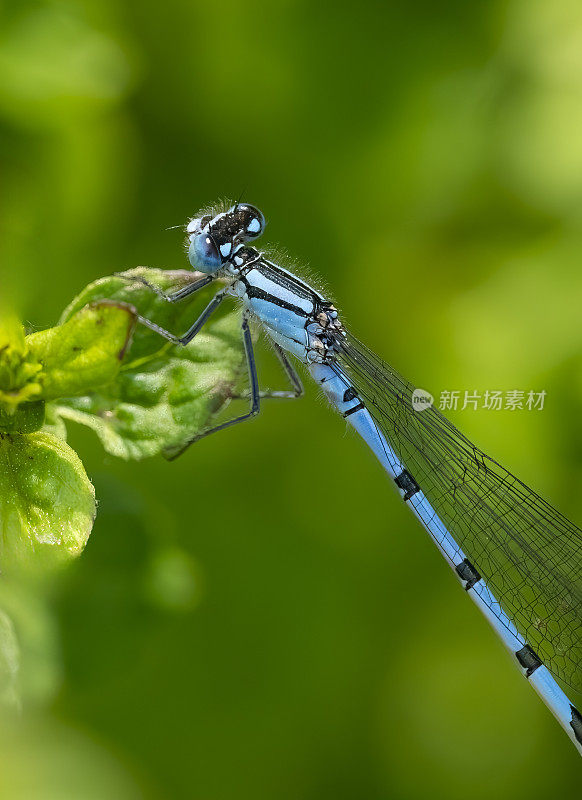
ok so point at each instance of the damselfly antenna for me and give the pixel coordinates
(236, 205)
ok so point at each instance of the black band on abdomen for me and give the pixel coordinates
(576, 723)
(406, 481)
(353, 410)
(468, 573)
(528, 659)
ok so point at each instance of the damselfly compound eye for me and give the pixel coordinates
(203, 253)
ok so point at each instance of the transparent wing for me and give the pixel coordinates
(529, 553)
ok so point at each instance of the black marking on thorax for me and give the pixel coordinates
(274, 273)
(254, 293)
(254, 261)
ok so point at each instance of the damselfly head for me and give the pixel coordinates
(214, 239)
(249, 219)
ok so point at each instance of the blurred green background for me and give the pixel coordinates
(248, 622)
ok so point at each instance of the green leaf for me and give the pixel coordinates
(26, 418)
(137, 288)
(53, 423)
(47, 503)
(85, 352)
(19, 373)
(164, 394)
(70, 359)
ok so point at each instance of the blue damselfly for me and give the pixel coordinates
(515, 555)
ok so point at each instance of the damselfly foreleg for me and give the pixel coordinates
(172, 297)
(187, 337)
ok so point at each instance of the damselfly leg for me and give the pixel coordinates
(281, 394)
(187, 337)
(255, 398)
(294, 379)
(172, 297)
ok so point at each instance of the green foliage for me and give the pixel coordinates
(140, 395)
(19, 373)
(72, 358)
(47, 503)
(85, 352)
(25, 418)
(163, 394)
